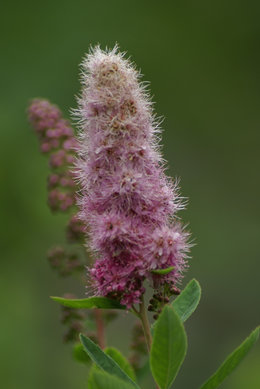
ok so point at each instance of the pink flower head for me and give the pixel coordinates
(126, 200)
(56, 138)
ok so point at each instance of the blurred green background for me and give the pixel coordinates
(202, 59)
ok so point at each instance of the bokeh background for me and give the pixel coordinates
(202, 59)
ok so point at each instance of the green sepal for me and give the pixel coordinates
(163, 271)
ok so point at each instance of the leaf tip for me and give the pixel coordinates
(196, 282)
(256, 332)
(81, 337)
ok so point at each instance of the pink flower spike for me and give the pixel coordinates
(56, 138)
(126, 200)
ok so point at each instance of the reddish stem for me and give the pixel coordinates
(100, 328)
(146, 327)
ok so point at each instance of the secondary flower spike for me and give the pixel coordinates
(57, 140)
(126, 199)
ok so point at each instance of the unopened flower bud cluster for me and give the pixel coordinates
(57, 140)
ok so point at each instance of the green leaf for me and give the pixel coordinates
(232, 361)
(143, 371)
(91, 302)
(168, 347)
(105, 362)
(102, 380)
(121, 361)
(79, 353)
(163, 271)
(186, 303)
(93, 369)
(118, 358)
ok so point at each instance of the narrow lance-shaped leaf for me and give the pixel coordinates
(104, 361)
(186, 303)
(102, 380)
(232, 361)
(121, 361)
(88, 303)
(168, 348)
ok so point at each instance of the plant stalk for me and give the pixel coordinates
(100, 328)
(146, 325)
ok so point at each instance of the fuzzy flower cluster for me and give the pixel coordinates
(126, 199)
(57, 139)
